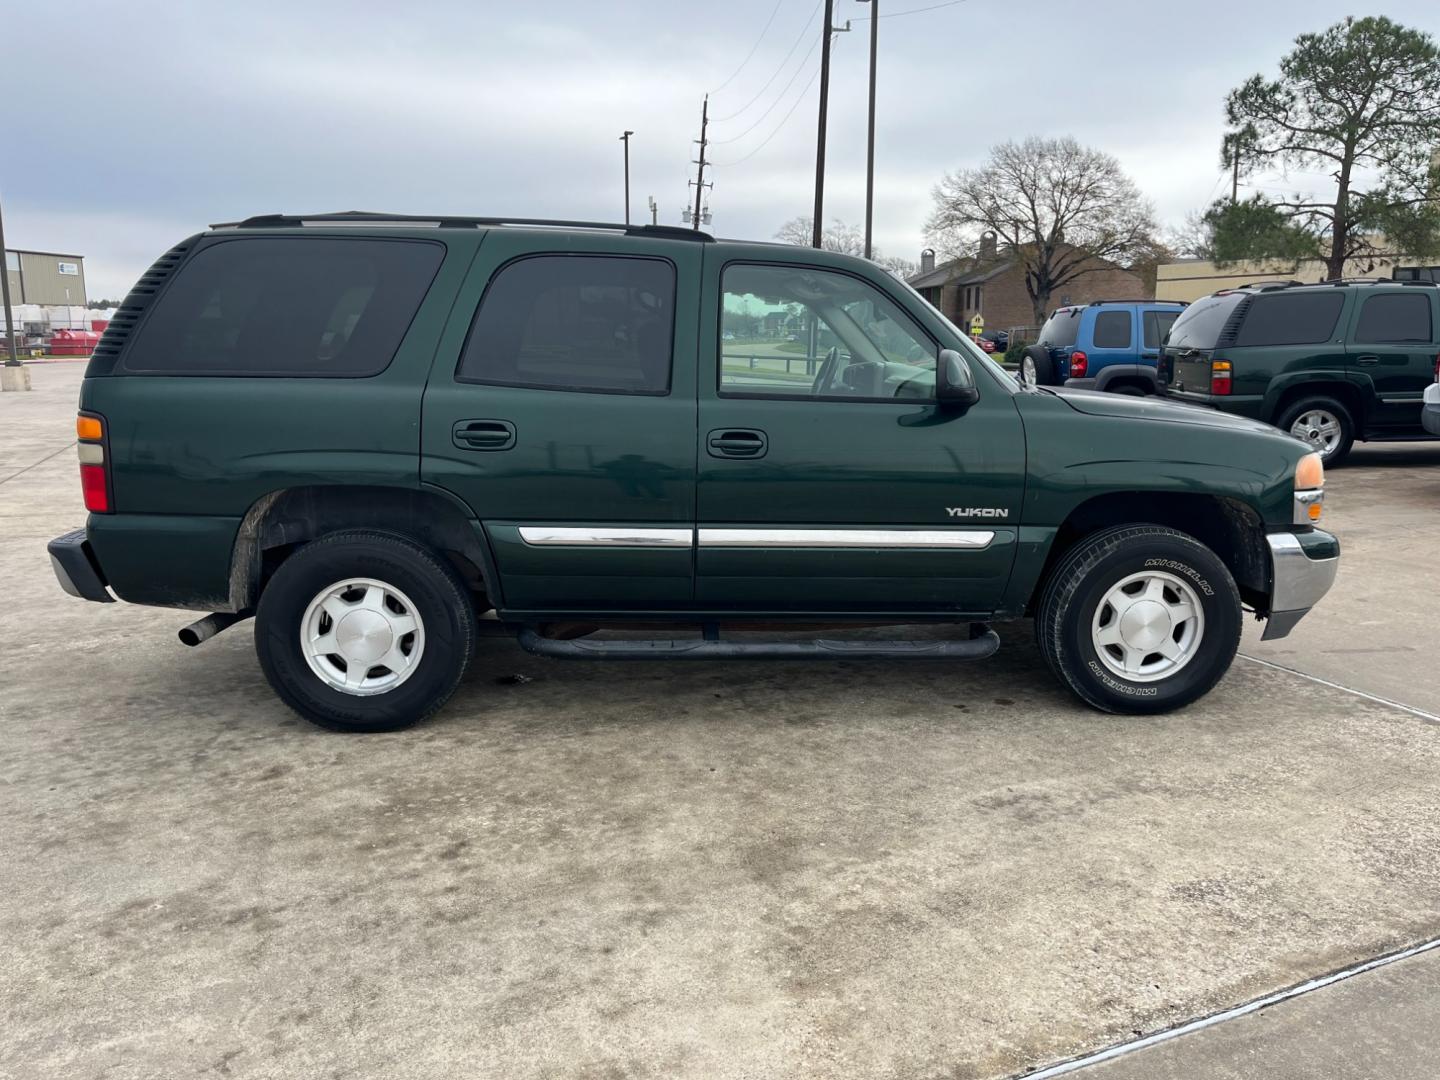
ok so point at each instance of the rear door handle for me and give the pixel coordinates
(1368, 358)
(737, 442)
(483, 434)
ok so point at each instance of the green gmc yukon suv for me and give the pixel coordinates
(381, 435)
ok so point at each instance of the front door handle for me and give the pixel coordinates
(1368, 358)
(483, 434)
(737, 443)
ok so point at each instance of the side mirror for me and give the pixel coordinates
(954, 381)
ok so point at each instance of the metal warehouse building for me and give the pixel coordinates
(45, 277)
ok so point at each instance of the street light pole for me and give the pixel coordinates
(626, 140)
(13, 360)
(870, 145)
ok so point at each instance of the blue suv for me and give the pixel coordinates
(1105, 345)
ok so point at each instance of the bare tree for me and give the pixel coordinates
(1057, 205)
(846, 239)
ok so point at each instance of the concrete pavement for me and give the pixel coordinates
(819, 870)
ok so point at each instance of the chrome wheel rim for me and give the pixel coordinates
(361, 636)
(1148, 626)
(1319, 429)
(1027, 372)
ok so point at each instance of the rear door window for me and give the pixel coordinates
(592, 323)
(1112, 330)
(287, 306)
(1291, 318)
(1199, 325)
(1061, 329)
(1157, 324)
(1395, 319)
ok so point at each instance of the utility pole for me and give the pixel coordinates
(870, 144)
(654, 212)
(12, 360)
(700, 174)
(626, 140)
(820, 135)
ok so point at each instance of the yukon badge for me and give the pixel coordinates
(977, 512)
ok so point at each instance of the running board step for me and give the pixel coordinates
(977, 648)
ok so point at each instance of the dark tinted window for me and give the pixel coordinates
(1061, 329)
(1291, 318)
(1395, 318)
(1112, 330)
(597, 323)
(288, 306)
(1157, 325)
(1199, 325)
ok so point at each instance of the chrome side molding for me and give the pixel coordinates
(636, 536)
(847, 538)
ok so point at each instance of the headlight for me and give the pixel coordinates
(1309, 489)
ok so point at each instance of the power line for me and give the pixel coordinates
(790, 113)
(773, 12)
(801, 37)
(778, 98)
(911, 11)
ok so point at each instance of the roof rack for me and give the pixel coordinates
(1133, 300)
(450, 221)
(1264, 286)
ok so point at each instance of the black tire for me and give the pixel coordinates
(1078, 587)
(441, 603)
(1044, 366)
(1320, 403)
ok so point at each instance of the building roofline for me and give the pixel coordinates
(32, 251)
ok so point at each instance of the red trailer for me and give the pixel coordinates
(72, 343)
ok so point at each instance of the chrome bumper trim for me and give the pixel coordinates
(1299, 581)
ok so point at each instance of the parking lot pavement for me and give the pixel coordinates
(880, 869)
(1377, 630)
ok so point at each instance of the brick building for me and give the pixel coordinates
(992, 284)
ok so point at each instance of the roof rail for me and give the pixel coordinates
(450, 221)
(1264, 286)
(1133, 300)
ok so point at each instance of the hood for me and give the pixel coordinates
(1124, 406)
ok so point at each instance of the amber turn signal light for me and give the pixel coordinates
(89, 427)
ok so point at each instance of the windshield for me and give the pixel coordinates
(1061, 329)
(972, 352)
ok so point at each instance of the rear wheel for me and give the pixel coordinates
(363, 631)
(1322, 423)
(1139, 619)
(1036, 367)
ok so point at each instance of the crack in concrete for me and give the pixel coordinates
(37, 464)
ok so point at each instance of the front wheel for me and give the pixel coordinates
(364, 631)
(1139, 619)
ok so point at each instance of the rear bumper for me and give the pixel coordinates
(1303, 567)
(76, 569)
(1430, 411)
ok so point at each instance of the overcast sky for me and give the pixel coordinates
(144, 121)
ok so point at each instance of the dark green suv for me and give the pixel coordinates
(383, 436)
(1328, 363)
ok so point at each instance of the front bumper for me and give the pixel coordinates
(1430, 411)
(76, 569)
(1303, 567)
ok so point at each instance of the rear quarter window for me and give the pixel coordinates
(1291, 318)
(1112, 330)
(1199, 325)
(287, 307)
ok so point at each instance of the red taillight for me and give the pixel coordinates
(97, 490)
(94, 463)
(1079, 364)
(1220, 378)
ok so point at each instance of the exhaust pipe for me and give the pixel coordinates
(206, 628)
